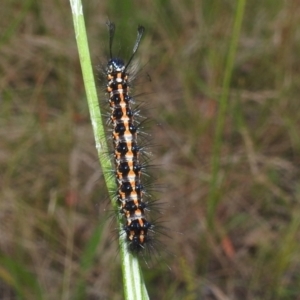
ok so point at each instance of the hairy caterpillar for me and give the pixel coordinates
(127, 151)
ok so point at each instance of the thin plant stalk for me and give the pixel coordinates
(134, 287)
(214, 195)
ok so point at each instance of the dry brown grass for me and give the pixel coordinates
(52, 196)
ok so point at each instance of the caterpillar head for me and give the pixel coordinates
(115, 65)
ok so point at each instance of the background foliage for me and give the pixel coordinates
(56, 237)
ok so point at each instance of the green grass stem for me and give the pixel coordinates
(134, 287)
(87, 260)
(16, 275)
(214, 193)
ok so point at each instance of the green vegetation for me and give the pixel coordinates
(133, 285)
(239, 218)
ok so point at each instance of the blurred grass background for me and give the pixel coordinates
(56, 238)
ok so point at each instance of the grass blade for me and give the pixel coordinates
(134, 287)
(214, 194)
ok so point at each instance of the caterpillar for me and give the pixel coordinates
(126, 150)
